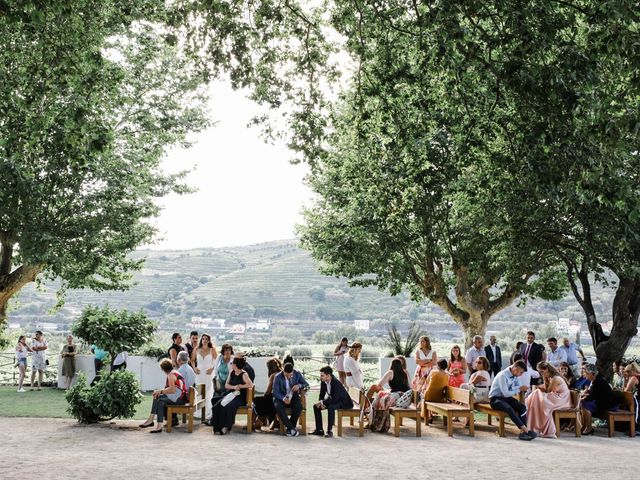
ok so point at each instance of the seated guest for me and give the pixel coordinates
(288, 386)
(185, 369)
(247, 367)
(620, 375)
(480, 381)
(263, 404)
(352, 366)
(632, 377)
(556, 354)
(529, 376)
(223, 367)
(174, 393)
(505, 385)
(552, 395)
(583, 382)
(476, 350)
(333, 396)
(597, 400)
(397, 379)
(567, 373)
(238, 382)
(436, 382)
(457, 367)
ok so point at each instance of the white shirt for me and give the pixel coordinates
(351, 366)
(121, 358)
(554, 358)
(472, 355)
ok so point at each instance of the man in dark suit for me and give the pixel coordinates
(333, 396)
(532, 354)
(288, 385)
(494, 355)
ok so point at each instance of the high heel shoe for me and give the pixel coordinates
(590, 432)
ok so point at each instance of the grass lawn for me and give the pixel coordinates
(49, 402)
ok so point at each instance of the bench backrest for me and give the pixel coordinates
(191, 399)
(460, 396)
(575, 399)
(626, 401)
(357, 396)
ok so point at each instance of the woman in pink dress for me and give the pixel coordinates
(554, 394)
(456, 367)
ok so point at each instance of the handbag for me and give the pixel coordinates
(404, 400)
(228, 398)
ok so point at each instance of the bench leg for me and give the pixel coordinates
(449, 426)
(632, 429)
(501, 426)
(488, 419)
(556, 419)
(303, 422)
(203, 412)
(418, 424)
(351, 421)
(169, 419)
(612, 424)
(184, 418)
(339, 420)
(578, 423)
(472, 427)
(396, 425)
(360, 427)
(190, 425)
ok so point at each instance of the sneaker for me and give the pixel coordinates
(292, 433)
(318, 433)
(21, 390)
(525, 437)
(329, 434)
(532, 434)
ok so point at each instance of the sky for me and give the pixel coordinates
(247, 190)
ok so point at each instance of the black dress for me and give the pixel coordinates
(264, 407)
(225, 416)
(397, 385)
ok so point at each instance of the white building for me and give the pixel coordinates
(361, 325)
(15, 326)
(261, 325)
(46, 326)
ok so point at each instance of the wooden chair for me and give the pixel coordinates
(359, 402)
(247, 409)
(303, 415)
(572, 413)
(188, 409)
(458, 403)
(413, 411)
(626, 413)
(485, 407)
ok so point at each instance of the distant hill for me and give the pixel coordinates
(275, 280)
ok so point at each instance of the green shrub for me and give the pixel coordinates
(154, 351)
(369, 356)
(114, 395)
(301, 353)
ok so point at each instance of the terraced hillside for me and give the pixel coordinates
(274, 280)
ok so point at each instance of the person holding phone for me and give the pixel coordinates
(22, 352)
(68, 355)
(39, 347)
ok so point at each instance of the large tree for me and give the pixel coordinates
(92, 93)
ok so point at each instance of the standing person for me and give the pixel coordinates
(494, 355)
(175, 348)
(532, 353)
(22, 352)
(456, 367)
(192, 344)
(39, 347)
(265, 410)
(98, 362)
(426, 358)
(339, 353)
(204, 358)
(68, 354)
(120, 362)
(352, 366)
(476, 350)
(288, 386)
(504, 387)
(553, 395)
(556, 355)
(237, 384)
(515, 352)
(173, 393)
(572, 350)
(333, 396)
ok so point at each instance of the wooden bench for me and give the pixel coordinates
(485, 407)
(359, 401)
(572, 413)
(188, 409)
(458, 403)
(626, 413)
(303, 415)
(413, 411)
(247, 409)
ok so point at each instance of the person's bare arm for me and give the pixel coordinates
(631, 384)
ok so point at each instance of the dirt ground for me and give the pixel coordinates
(35, 448)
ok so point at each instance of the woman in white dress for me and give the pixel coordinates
(426, 358)
(352, 367)
(39, 361)
(339, 353)
(480, 380)
(204, 358)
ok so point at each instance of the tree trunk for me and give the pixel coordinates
(475, 325)
(626, 308)
(11, 284)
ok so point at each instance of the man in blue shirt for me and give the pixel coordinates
(572, 351)
(288, 385)
(504, 386)
(98, 361)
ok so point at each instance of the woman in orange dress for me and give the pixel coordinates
(456, 367)
(554, 394)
